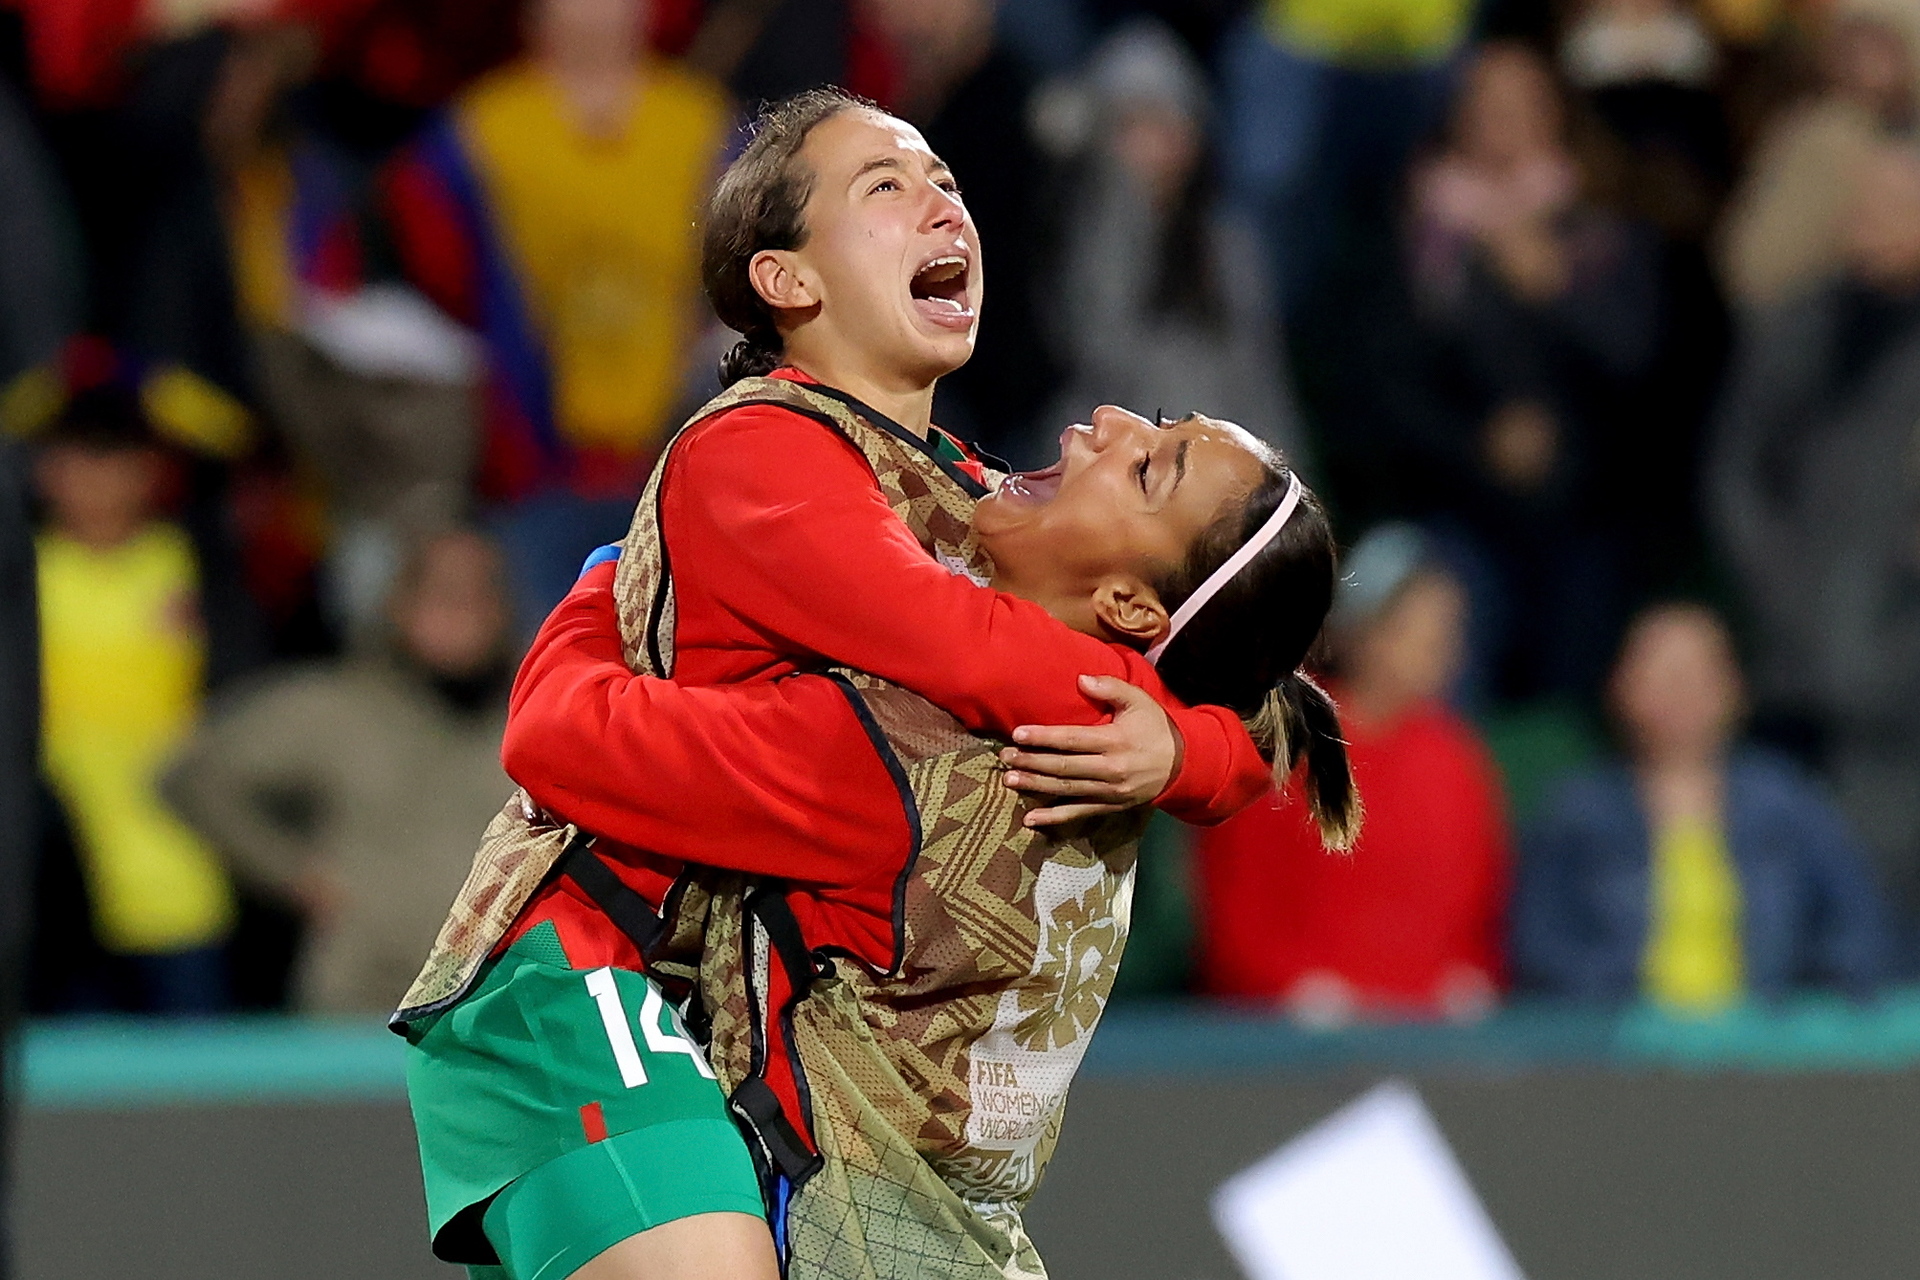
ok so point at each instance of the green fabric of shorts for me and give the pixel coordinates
(542, 1061)
(549, 1223)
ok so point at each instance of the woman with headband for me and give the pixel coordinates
(810, 515)
(899, 1055)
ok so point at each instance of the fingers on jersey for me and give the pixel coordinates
(1059, 815)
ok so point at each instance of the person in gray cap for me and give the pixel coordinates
(1409, 926)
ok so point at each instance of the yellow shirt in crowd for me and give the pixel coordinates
(1370, 32)
(603, 232)
(122, 660)
(1693, 962)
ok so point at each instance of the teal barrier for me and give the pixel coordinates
(122, 1062)
(145, 1062)
(1807, 1033)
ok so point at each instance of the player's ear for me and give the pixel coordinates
(1130, 609)
(780, 278)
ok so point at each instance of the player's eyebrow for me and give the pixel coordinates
(1180, 464)
(878, 162)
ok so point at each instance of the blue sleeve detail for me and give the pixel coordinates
(601, 555)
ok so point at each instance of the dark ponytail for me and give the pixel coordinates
(760, 203)
(1245, 648)
(1298, 720)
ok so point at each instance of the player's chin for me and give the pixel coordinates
(1001, 516)
(938, 351)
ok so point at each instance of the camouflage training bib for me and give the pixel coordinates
(910, 1111)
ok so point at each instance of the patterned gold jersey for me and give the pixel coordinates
(903, 1111)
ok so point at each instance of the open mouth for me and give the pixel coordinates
(939, 290)
(1035, 486)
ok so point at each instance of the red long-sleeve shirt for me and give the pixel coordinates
(1416, 905)
(785, 555)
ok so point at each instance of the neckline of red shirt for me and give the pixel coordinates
(970, 464)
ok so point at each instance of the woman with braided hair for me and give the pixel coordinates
(811, 517)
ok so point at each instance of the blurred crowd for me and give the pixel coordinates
(334, 333)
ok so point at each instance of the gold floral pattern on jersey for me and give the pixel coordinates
(1082, 938)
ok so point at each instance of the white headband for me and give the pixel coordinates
(1235, 563)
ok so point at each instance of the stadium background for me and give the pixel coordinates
(1597, 322)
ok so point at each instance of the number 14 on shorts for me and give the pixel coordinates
(654, 1011)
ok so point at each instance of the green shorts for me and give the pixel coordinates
(561, 1110)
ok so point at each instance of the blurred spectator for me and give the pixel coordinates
(1324, 100)
(1659, 149)
(1408, 924)
(123, 662)
(766, 50)
(1647, 68)
(969, 96)
(357, 791)
(1816, 487)
(408, 51)
(147, 200)
(1163, 302)
(19, 766)
(40, 294)
(403, 54)
(135, 145)
(1786, 231)
(370, 384)
(1536, 315)
(1696, 871)
(553, 208)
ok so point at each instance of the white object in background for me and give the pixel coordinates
(1370, 1193)
(390, 331)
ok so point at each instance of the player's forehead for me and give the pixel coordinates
(860, 141)
(1200, 427)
